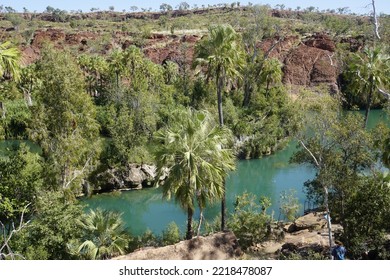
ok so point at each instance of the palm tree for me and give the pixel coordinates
(104, 236)
(370, 74)
(223, 57)
(271, 73)
(194, 150)
(9, 60)
(117, 65)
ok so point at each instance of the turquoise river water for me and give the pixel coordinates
(268, 176)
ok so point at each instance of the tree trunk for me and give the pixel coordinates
(219, 96)
(190, 232)
(2, 110)
(247, 94)
(223, 209)
(220, 82)
(369, 101)
(200, 221)
(328, 220)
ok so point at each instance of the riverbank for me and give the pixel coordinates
(306, 237)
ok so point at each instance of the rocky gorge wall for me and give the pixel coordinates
(308, 62)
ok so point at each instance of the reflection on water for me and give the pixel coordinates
(268, 176)
(145, 209)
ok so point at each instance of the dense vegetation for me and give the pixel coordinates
(93, 114)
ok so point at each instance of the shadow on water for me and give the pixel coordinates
(268, 176)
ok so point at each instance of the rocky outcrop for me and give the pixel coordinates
(306, 237)
(311, 221)
(132, 176)
(309, 61)
(312, 63)
(219, 246)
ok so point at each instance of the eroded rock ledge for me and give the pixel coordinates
(132, 176)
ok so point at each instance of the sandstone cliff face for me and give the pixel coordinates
(307, 62)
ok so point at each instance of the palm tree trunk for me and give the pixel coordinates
(219, 96)
(189, 233)
(247, 94)
(220, 82)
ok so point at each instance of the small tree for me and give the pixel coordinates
(249, 220)
(165, 7)
(103, 237)
(369, 74)
(184, 6)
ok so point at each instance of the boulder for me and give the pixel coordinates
(150, 171)
(311, 221)
(321, 41)
(134, 176)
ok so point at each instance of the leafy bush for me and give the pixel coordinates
(171, 235)
(249, 221)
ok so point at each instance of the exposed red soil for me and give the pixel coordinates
(307, 62)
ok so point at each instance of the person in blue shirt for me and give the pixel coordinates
(338, 252)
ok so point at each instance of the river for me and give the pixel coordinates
(268, 176)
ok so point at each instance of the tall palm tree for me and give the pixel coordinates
(9, 60)
(271, 73)
(370, 74)
(194, 150)
(104, 236)
(222, 55)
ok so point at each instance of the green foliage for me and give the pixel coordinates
(195, 150)
(103, 236)
(249, 220)
(54, 225)
(171, 235)
(64, 121)
(367, 214)
(289, 205)
(147, 239)
(221, 53)
(368, 73)
(9, 60)
(16, 120)
(21, 180)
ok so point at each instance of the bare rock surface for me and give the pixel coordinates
(219, 246)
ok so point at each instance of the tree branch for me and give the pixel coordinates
(8, 238)
(384, 93)
(311, 154)
(376, 22)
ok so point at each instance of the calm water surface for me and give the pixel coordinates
(146, 209)
(269, 176)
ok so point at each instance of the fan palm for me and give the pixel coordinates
(104, 235)
(194, 149)
(221, 54)
(9, 60)
(370, 74)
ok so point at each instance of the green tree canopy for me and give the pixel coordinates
(195, 150)
(103, 237)
(64, 120)
(9, 60)
(369, 74)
